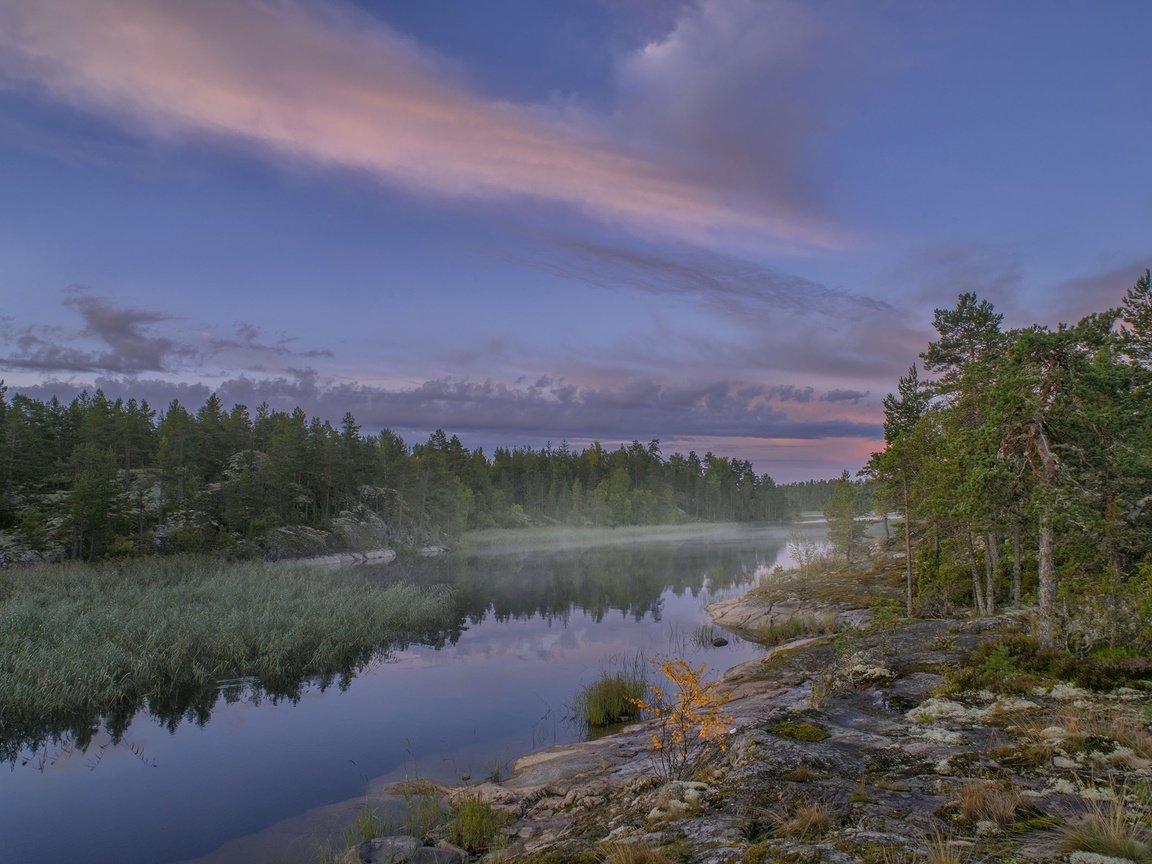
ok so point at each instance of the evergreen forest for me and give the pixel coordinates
(1022, 462)
(96, 478)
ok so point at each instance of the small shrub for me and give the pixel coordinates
(886, 611)
(685, 720)
(474, 825)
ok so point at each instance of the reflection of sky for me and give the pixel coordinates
(498, 693)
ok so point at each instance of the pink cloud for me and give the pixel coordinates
(324, 84)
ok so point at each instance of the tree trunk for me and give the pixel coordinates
(977, 590)
(908, 580)
(991, 569)
(1047, 587)
(1016, 564)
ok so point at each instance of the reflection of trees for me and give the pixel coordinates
(553, 585)
(173, 702)
(629, 580)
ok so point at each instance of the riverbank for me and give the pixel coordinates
(849, 748)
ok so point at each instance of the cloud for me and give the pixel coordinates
(545, 408)
(721, 281)
(1075, 298)
(116, 339)
(844, 395)
(739, 93)
(323, 84)
(125, 345)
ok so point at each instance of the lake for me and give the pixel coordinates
(539, 614)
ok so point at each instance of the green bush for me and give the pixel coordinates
(1018, 663)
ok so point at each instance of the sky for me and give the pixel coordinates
(723, 224)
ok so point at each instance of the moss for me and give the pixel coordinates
(860, 795)
(802, 774)
(798, 730)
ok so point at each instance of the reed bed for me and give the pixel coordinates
(83, 642)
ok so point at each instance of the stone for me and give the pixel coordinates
(1094, 858)
(388, 850)
(436, 855)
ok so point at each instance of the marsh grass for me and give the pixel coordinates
(81, 643)
(612, 697)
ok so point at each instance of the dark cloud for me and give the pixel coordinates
(116, 339)
(548, 408)
(112, 339)
(248, 341)
(844, 395)
(728, 283)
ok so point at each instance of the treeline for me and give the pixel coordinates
(1024, 467)
(97, 477)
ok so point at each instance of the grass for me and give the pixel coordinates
(81, 643)
(808, 822)
(424, 807)
(1107, 832)
(988, 802)
(611, 698)
(941, 851)
(634, 853)
(475, 825)
(795, 626)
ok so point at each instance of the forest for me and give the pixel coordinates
(95, 478)
(1022, 463)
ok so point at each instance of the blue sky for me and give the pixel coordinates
(721, 224)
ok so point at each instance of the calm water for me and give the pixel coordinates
(535, 623)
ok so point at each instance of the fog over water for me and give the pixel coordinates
(538, 614)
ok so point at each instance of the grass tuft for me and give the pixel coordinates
(988, 802)
(634, 853)
(612, 697)
(808, 822)
(1107, 832)
(475, 825)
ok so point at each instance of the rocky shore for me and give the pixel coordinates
(845, 748)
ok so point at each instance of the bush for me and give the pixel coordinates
(686, 720)
(1018, 663)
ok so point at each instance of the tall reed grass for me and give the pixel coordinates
(83, 642)
(612, 697)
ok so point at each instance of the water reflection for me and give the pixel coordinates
(525, 629)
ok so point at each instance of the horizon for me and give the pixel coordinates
(722, 225)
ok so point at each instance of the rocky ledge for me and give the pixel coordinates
(844, 749)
